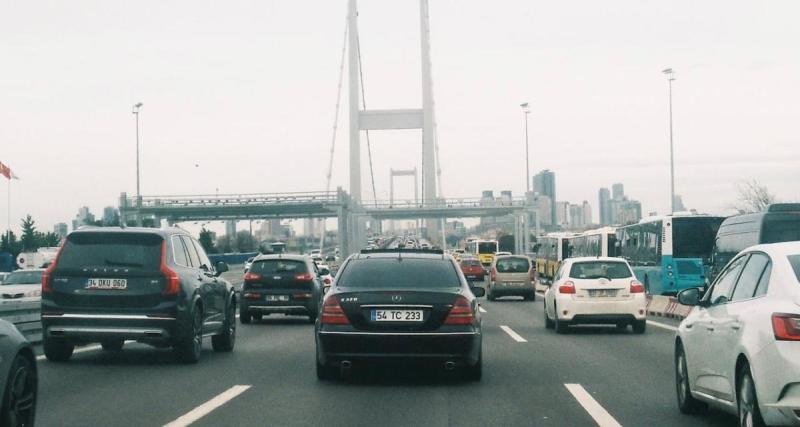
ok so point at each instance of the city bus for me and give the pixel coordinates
(551, 250)
(669, 253)
(601, 242)
(483, 249)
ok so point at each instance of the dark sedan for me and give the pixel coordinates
(400, 304)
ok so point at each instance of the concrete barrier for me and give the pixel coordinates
(664, 306)
(25, 314)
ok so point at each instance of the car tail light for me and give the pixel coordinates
(303, 295)
(494, 274)
(305, 277)
(567, 288)
(173, 282)
(636, 287)
(327, 280)
(332, 313)
(252, 295)
(461, 313)
(47, 287)
(786, 326)
(250, 277)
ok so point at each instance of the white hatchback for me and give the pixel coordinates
(739, 348)
(595, 291)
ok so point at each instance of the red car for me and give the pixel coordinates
(473, 270)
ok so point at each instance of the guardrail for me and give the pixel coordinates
(25, 314)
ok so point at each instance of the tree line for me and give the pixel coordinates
(30, 240)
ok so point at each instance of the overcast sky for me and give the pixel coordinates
(239, 96)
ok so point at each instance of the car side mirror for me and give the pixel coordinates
(221, 267)
(690, 297)
(478, 291)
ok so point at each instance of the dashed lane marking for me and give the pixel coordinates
(483, 310)
(77, 350)
(206, 408)
(513, 334)
(662, 325)
(597, 412)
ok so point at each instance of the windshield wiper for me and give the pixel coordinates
(123, 264)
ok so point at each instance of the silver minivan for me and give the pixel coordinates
(510, 275)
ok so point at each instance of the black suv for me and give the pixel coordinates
(288, 284)
(155, 286)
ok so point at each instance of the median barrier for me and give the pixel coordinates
(25, 314)
(665, 306)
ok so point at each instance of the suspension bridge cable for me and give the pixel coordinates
(364, 103)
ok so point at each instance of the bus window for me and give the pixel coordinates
(694, 237)
(781, 230)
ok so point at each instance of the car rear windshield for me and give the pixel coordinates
(794, 260)
(274, 266)
(399, 273)
(513, 265)
(471, 263)
(600, 269)
(24, 278)
(131, 250)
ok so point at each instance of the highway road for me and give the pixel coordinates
(531, 377)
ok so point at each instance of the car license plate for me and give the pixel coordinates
(603, 293)
(396, 315)
(277, 297)
(116, 284)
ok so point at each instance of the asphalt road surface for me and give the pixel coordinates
(531, 377)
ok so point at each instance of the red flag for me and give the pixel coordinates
(5, 170)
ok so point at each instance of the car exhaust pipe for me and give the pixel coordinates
(346, 365)
(449, 365)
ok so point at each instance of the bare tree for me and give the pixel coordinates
(753, 197)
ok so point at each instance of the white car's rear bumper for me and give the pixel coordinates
(585, 310)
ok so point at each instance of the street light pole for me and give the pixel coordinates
(136, 108)
(526, 111)
(670, 78)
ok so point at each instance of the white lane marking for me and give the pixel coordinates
(513, 334)
(483, 310)
(206, 408)
(77, 350)
(597, 412)
(662, 325)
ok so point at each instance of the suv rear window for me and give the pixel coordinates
(600, 269)
(399, 273)
(513, 265)
(132, 250)
(794, 260)
(271, 266)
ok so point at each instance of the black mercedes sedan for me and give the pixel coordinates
(400, 304)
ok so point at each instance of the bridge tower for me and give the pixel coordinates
(411, 118)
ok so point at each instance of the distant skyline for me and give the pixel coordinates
(240, 97)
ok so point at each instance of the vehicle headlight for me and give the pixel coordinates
(33, 293)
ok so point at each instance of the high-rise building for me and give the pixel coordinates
(629, 212)
(678, 202)
(544, 183)
(562, 213)
(110, 216)
(230, 228)
(60, 230)
(84, 217)
(544, 208)
(587, 213)
(617, 191)
(604, 205)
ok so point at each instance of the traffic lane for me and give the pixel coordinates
(286, 392)
(630, 375)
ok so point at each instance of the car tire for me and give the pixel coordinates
(257, 317)
(245, 317)
(530, 296)
(639, 326)
(112, 346)
(474, 372)
(687, 404)
(747, 401)
(325, 372)
(226, 340)
(57, 350)
(490, 293)
(19, 398)
(548, 324)
(190, 342)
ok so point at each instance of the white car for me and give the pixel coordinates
(738, 349)
(502, 253)
(595, 291)
(22, 284)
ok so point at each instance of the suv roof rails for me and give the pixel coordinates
(403, 250)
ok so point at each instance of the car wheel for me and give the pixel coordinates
(639, 326)
(112, 346)
(548, 324)
(257, 316)
(749, 414)
(226, 340)
(686, 402)
(19, 399)
(474, 372)
(530, 296)
(57, 350)
(325, 372)
(245, 317)
(188, 348)
(490, 293)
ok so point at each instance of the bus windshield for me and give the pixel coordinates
(694, 237)
(781, 230)
(487, 247)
